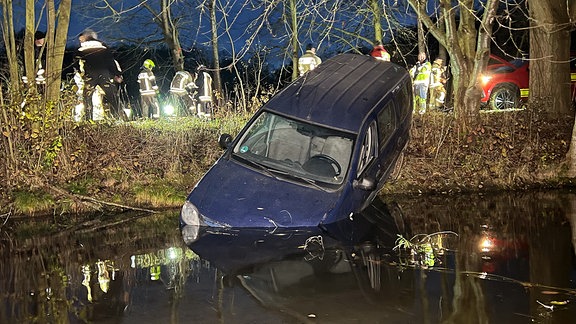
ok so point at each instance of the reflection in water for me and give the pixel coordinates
(507, 258)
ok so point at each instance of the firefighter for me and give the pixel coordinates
(99, 72)
(204, 81)
(437, 81)
(183, 91)
(379, 52)
(148, 91)
(421, 79)
(309, 61)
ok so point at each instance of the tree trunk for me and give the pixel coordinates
(294, 39)
(56, 36)
(422, 48)
(550, 56)
(468, 50)
(28, 45)
(10, 45)
(171, 35)
(216, 57)
(376, 14)
(169, 31)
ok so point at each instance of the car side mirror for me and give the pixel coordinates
(224, 140)
(363, 183)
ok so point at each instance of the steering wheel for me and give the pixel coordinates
(323, 159)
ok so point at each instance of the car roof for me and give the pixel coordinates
(502, 61)
(340, 92)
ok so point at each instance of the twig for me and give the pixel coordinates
(7, 215)
(545, 306)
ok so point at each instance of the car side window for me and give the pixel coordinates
(386, 123)
(368, 149)
(403, 98)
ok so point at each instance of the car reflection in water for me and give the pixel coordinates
(335, 274)
(306, 270)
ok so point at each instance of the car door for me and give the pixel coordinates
(367, 169)
(388, 141)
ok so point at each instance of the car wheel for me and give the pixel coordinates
(505, 96)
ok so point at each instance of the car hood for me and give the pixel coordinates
(234, 195)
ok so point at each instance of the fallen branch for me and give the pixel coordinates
(117, 205)
(94, 203)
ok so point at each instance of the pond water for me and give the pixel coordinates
(500, 258)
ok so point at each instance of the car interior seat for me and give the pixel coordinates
(289, 144)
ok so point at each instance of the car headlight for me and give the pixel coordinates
(189, 214)
(485, 79)
(192, 220)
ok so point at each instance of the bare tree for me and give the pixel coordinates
(56, 35)
(10, 43)
(165, 22)
(215, 56)
(467, 46)
(376, 19)
(28, 42)
(550, 55)
(292, 13)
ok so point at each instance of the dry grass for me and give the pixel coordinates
(156, 163)
(510, 150)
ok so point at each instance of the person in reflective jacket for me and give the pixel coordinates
(308, 61)
(437, 81)
(148, 91)
(204, 81)
(183, 91)
(98, 69)
(379, 52)
(421, 79)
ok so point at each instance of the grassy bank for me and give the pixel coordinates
(155, 164)
(146, 164)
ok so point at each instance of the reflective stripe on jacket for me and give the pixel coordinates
(422, 73)
(147, 82)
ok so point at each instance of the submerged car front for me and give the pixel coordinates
(279, 172)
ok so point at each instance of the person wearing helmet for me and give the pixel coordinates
(379, 52)
(99, 71)
(148, 90)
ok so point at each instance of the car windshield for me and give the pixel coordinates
(287, 147)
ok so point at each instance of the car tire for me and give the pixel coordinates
(505, 96)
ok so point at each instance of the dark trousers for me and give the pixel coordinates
(110, 96)
(185, 103)
(150, 106)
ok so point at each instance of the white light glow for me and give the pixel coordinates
(168, 110)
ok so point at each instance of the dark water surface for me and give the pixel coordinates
(502, 258)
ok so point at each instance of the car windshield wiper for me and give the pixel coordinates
(302, 178)
(260, 166)
(275, 173)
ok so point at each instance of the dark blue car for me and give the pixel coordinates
(318, 152)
